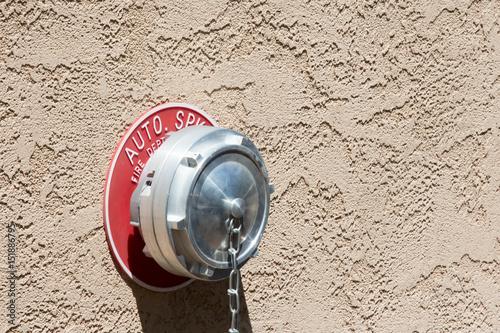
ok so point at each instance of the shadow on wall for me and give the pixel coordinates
(198, 307)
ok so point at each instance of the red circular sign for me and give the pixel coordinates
(140, 141)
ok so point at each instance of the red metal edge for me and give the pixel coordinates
(116, 256)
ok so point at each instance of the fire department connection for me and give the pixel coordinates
(184, 199)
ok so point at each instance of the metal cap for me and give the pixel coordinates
(199, 179)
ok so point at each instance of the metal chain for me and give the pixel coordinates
(234, 276)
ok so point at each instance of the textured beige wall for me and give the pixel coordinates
(379, 123)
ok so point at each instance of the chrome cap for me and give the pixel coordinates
(198, 180)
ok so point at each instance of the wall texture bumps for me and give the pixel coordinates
(379, 122)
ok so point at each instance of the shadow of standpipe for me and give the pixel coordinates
(199, 307)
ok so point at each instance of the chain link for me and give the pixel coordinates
(234, 276)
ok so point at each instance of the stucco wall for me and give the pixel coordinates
(379, 123)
